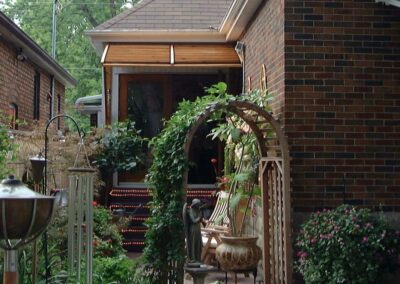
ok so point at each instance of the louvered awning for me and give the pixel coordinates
(207, 55)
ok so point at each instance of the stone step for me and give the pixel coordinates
(133, 203)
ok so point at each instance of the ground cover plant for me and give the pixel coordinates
(347, 245)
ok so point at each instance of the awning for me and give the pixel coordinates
(167, 55)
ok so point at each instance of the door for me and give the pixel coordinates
(146, 100)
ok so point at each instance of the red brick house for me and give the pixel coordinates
(32, 84)
(333, 67)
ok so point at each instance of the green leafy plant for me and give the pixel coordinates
(346, 245)
(7, 147)
(164, 242)
(107, 238)
(121, 148)
(113, 270)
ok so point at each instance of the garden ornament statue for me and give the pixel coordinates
(24, 215)
(192, 219)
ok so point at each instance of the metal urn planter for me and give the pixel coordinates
(238, 253)
(24, 215)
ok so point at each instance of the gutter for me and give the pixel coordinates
(35, 53)
(395, 3)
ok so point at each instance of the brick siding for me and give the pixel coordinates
(17, 86)
(336, 79)
(264, 41)
(342, 99)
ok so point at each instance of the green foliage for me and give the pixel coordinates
(164, 238)
(346, 245)
(7, 147)
(110, 262)
(107, 238)
(73, 48)
(240, 159)
(113, 270)
(120, 149)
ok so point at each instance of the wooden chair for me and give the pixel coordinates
(217, 225)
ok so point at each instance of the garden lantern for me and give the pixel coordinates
(24, 215)
(38, 162)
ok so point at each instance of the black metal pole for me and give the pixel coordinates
(46, 145)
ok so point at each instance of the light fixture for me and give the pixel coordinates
(21, 56)
(37, 162)
(239, 48)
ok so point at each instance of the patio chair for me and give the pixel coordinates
(217, 225)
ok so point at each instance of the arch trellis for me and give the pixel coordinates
(274, 182)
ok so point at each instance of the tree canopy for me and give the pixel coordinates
(73, 49)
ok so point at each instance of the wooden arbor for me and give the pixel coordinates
(274, 182)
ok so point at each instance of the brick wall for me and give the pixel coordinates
(17, 85)
(342, 100)
(264, 41)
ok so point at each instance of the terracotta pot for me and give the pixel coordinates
(238, 253)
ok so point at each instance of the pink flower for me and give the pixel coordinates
(365, 240)
(302, 255)
(357, 226)
(313, 241)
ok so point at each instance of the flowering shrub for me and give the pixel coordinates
(346, 245)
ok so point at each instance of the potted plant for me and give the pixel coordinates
(237, 250)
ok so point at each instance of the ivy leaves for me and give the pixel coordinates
(164, 238)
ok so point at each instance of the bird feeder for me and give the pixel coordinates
(24, 215)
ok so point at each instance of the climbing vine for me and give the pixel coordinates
(164, 241)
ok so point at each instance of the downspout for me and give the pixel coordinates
(240, 50)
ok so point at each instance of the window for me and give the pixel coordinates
(148, 99)
(50, 97)
(58, 111)
(13, 113)
(93, 120)
(36, 96)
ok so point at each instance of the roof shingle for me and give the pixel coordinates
(170, 15)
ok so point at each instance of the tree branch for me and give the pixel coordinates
(86, 12)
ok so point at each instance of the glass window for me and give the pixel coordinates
(36, 96)
(145, 106)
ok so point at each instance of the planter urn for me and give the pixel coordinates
(238, 253)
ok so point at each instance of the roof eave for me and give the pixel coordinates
(231, 29)
(34, 52)
(100, 38)
(395, 3)
(237, 18)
